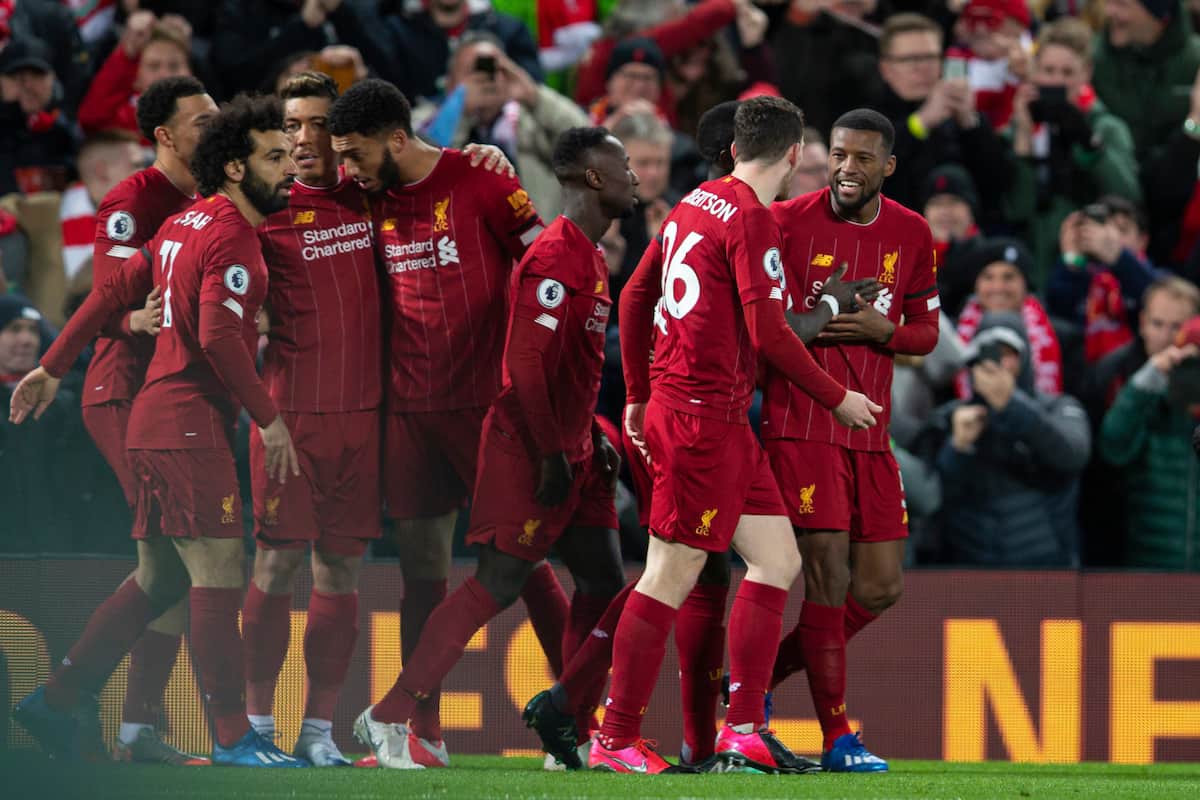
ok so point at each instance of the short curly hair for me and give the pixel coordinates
(227, 137)
(571, 149)
(765, 127)
(160, 101)
(370, 107)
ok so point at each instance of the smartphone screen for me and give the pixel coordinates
(954, 69)
(487, 65)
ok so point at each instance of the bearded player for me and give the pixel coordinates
(722, 303)
(842, 486)
(208, 266)
(449, 236)
(171, 113)
(547, 473)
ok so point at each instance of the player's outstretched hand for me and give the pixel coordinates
(281, 453)
(608, 460)
(491, 157)
(635, 427)
(556, 480)
(33, 394)
(857, 411)
(148, 319)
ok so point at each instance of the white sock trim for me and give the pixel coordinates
(131, 730)
(321, 726)
(262, 723)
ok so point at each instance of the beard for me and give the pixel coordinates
(868, 194)
(265, 198)
(389, 172)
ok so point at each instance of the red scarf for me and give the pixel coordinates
(6, 11)
(1106, 324)
(1045, 353)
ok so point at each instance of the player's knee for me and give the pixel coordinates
(335, 574)
(603, 583)
(879, 595)
(502, 575)
(275, 570)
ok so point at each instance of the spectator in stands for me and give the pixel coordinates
(1165, 307)
(1147, 433)
(492, 100)
(828, 59)
(647, 140)
(813, 173)
(950, 202)
(1069, 148)
(33, 522)
(1145, 60)
(149, 49)
(716, 69)
(991, 38)
(37, 137)
(105, 160)
(415, 48)
(1102, 273)
(53, 24)
(636, 75)
(1002, 284)
(936, 121)
(255, 37)
(14, 253)
(1010, 458)
(672, 25)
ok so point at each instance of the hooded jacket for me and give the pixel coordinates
(1011, 500)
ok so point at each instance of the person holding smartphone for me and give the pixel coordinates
(1070, 149)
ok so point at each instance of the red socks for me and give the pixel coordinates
(450, 627)
(421, 597)
(150, 665)
(700, 640)
(638, 648)
(547, 604)
(329, 639)
(266, 628)
(791, 655)
(754, 625)
(584, 675)
(824, 640)
(111, 631)
(857, 617)
(217, 652)
(587, 610)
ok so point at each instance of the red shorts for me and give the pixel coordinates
(107, 424)
(429, 461)
(832, 488)
(707, 474)
(186, 494)
(506, 515)
(335, 502)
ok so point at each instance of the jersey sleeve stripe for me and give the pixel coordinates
(933, 303)
(547, 321)
(921, 293)
(234, 306)
(528, 236)
(121, 251)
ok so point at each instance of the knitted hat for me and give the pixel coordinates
(637, 50)
(1010, 251)
(14, 307)
(953, 180)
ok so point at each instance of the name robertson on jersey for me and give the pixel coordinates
(339, 241)
(719, 207)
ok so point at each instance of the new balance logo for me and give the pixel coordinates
(733, 687)
(447, 251)
(599, 634)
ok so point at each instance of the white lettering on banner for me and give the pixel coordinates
(719, 207)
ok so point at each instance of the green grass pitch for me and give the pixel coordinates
(26, 777)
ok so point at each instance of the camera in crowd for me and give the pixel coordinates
(1183, 386)
(1051, 104)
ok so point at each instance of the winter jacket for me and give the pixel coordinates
(1152, 442)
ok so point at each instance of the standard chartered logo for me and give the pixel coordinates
(340, 240)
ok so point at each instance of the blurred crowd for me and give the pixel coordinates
(1053, 146)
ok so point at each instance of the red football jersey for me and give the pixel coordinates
(897, 249)
(449, 243)
(720, 251)
(323, 354)
(209, 255)
(562, 285)
(128, 216)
